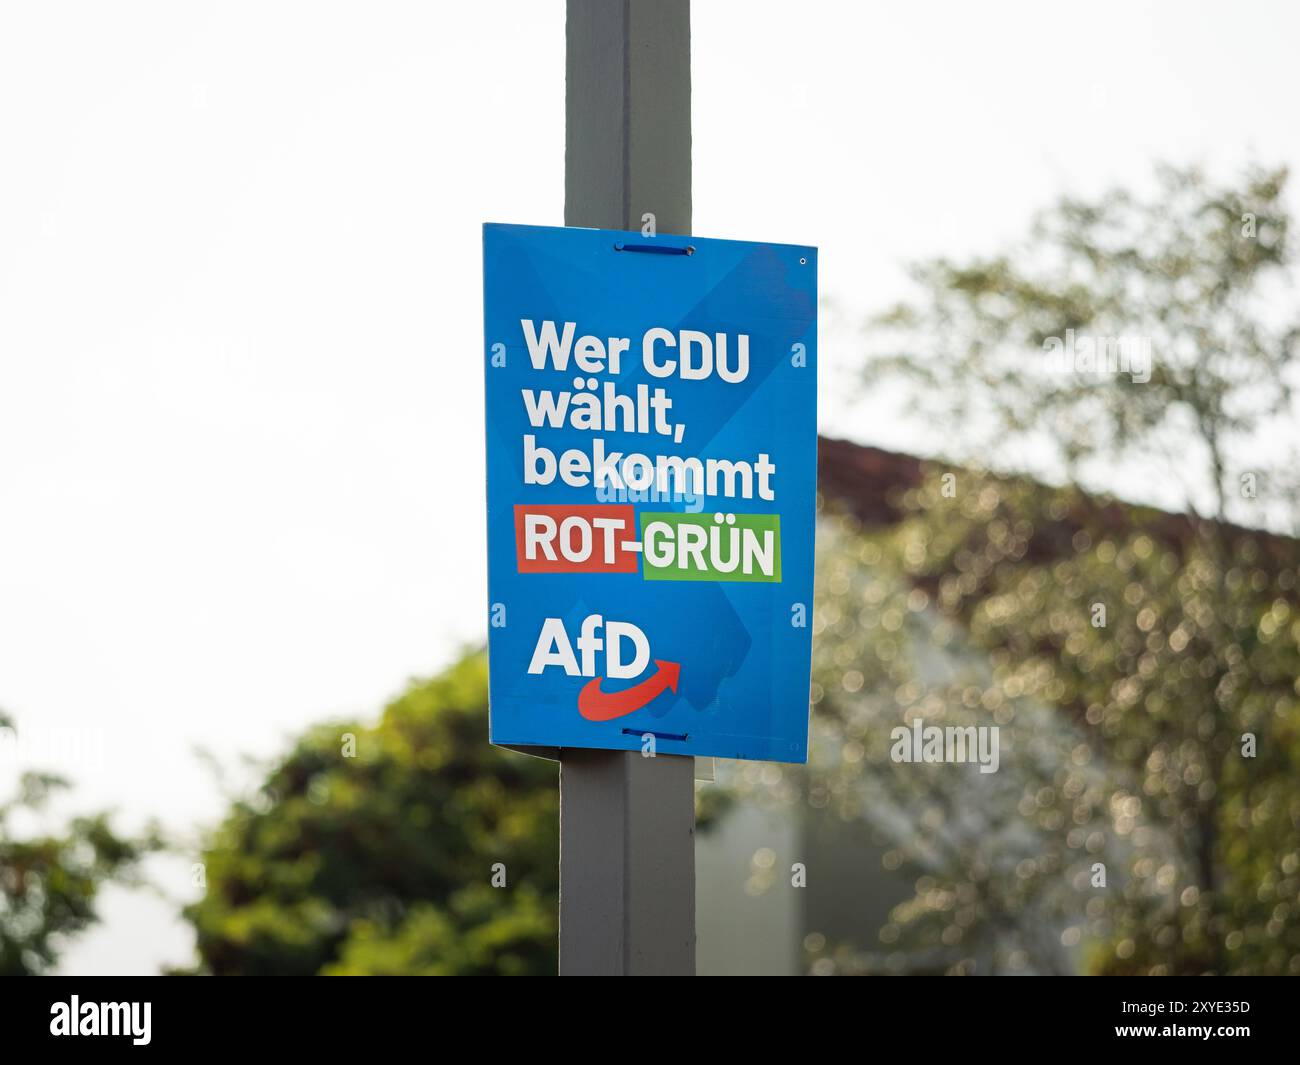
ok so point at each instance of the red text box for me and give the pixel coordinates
(575, 538)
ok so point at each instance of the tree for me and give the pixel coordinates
(1148, 765)
(1186, 281)
(50, 880)
(411, 846)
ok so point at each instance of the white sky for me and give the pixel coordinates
(241, 472)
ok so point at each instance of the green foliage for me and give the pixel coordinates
(1122, 741)
(370, 850)
(49, 881)
(998, 861)
(1192, 656)
(1124, 735)
(1196, 271)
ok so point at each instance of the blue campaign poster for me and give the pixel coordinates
(651, 485)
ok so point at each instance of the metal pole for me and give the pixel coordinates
(627, 822)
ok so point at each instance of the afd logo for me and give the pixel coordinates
(102, 1018)
(626, 651)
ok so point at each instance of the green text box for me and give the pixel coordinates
(696, 547)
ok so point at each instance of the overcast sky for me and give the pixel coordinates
(240, 310)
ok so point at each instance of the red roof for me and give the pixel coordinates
(869, 483)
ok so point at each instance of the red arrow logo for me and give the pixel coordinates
(596, 705)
